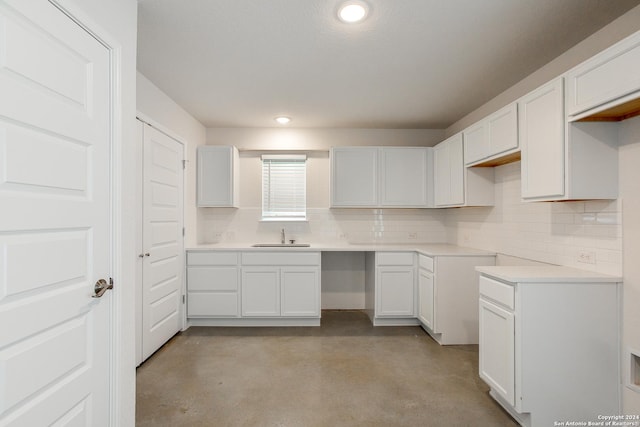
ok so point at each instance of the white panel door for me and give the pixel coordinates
(55, 234)
(354, 176)
(458, 171)
(541, 132)
(426, 305)
(300, 291)
(497, 349)
(403, 172)
(395, 289)
(162, 240)
(260, 291)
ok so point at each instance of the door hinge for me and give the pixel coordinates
(183, 231)
(184, 164)
(184, 299)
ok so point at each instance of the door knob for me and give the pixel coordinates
(101, 287)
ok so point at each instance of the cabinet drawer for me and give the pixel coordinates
(212, 278)
(395, 258)
(497, 291)
(425, 262)
(212, 258)
(280, 258)
(223, 304)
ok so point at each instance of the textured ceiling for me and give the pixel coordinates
(411, 64)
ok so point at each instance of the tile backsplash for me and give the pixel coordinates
(325, 226)
(580, 234)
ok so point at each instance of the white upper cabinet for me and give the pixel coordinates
(476, 143)
(217, 182)
(381, 177)
(607, 84)
(456, 185)
(404, 176)
(493, 138)
(354, 176)
(541, 119)
(578, 162)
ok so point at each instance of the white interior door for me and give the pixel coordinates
(162, 239)
(55, 236)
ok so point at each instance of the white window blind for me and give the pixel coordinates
(284, 182)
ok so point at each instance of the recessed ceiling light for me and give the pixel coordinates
(283, 120)
(353, 11)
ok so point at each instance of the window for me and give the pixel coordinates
(284, 187)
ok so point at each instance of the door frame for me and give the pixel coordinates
(122, 367)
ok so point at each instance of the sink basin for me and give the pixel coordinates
(281, 245)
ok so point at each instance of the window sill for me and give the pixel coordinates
(284, 220)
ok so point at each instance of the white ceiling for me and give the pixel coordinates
(411, 64)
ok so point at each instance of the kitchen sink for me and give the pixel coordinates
(281, 245)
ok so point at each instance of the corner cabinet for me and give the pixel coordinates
(448, 297)
(540, 333)
(217, 176)
(559, 158)
(393, 177)
(454, 184)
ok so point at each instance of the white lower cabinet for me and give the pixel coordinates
(549, 343)
(390, 287)
(448, 297)
(425, 298)
(260, 291)
(213, 284)
(253, 288)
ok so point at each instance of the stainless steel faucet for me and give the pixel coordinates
(282, 238)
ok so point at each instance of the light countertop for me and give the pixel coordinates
(436, 249)
(545, 274)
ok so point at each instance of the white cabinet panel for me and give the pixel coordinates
(456, 185)
(395, 292)
(609, 76)
(502, 130)
(426, 304)
(497, 350)
(209, 304)
(354, 176)
(541, 130)
(476, 143)
(404, 179)
(300, 291)
(212, 278)
(217, 181)
(260, 291)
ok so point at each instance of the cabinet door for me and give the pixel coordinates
(476, 143)
(457, 171)
(502, 130)
(607, 76)
(300, 291)
(497, 349)
(404, 179)
(215, 180)
(442, 173)
(260, 291)
(354, 176)
(426, 298)
(541, 130)
(395, 292)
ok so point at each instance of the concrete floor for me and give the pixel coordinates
(344, 373)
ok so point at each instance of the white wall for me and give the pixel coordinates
(629, 158)
(160, 110)
(116, 21)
